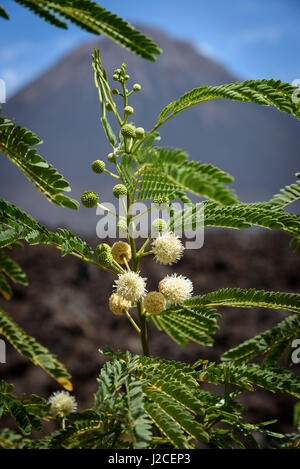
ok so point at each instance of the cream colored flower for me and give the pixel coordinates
(117, 304)
(154, 302)
(167, 248)
(62, 404)
(131, 286)
(176, 288)
(121, 250)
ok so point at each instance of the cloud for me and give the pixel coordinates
(254, 36)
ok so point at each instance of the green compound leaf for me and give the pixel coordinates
(274, 342)
(95, 19)
(31, 349)
(262, 92)
(16, 143)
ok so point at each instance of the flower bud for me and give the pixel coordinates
(128, 130)
(115, 77)
(98, 166)
(103, 247)
(119, 191)
(121, 250)
(112, 158)
(127, 77)
(159, 225)
(128, 110)
(139, 132)
(117, 304)
(89, 199)
(115, 91)
(105, 259)
(154, 302)
(109, 107)
(137, 87)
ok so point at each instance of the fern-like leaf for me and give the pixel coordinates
(236, 297)
(16, 143)
(31, 349)
(95, 19)
(274, 340)
(262, 92)
(287, 195)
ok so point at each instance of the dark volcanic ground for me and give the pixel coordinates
(65, 308)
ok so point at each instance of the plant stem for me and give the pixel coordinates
(135, 268)
(133, 322)
(144, 332)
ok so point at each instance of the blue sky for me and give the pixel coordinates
(253, 38)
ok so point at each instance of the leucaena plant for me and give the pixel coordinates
(144, 401)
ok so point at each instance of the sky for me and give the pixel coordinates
(252, 38)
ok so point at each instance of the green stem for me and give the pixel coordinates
(144, 332)
(133, 322)
(135, 267)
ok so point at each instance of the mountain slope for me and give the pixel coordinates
(258, 146)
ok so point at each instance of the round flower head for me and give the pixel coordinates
(119, 190)
(98, 166)
(159, 225)
(122, 228)
(176, 288)
(62, 404)
(167, 248)
(130, 286)
(161, 203)
(89, 199)
(154, 302)
(121, 250)
(117, 304)
(128, 131)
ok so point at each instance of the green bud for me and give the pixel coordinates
(112, 158)
(103, 247)
(119, 191)
(105, 259)
(98, 166)
(115, 91)
(117, 71)
(159, 225)
(128, 110)
(109, 107)
(127, 77)
(137, 87)
(122, 227)
(128, 130)
(89, 199)
(115, 77)
(139, 132)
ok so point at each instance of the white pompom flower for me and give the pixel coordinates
(131, 286)
(176, 288)
(167, 248)
(62, 404)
